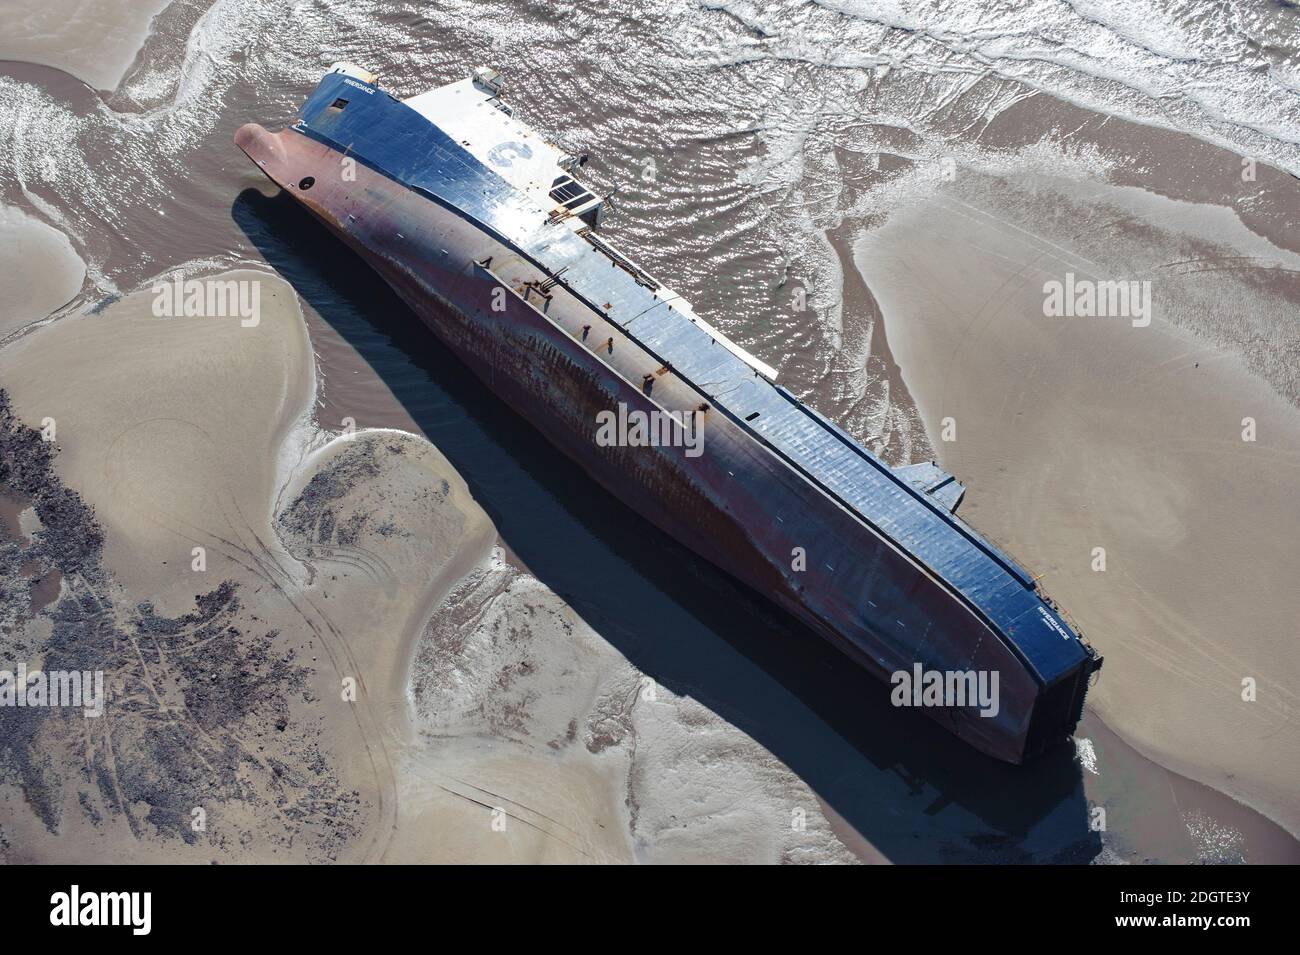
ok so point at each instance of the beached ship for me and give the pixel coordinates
(483, 228)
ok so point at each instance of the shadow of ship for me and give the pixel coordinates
(912, 790)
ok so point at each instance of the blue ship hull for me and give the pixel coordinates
(564, 329)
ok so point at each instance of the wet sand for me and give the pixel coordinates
(40, 271)
(521, 705)
(1078, 433)
(95, 40)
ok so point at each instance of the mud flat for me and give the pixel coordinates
(94, 40)
(1078, 433)
(39, 270)
(251, 679)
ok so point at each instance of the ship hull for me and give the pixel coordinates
(737, 504)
